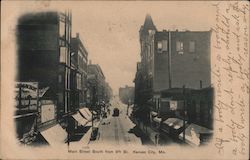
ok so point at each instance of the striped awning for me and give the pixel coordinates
(86, 113)
(80, 119)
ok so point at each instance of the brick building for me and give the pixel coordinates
(169, 61)
(43, 55)
(126, 94)
(96, 80)
(79, 65)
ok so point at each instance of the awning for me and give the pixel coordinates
(83, 141)
(176, 123)
(86, 138)
(192, 134)
(86, 113)
(170, 121)
(153, 113)
(156, 119)
(55, 135)
(80, 119)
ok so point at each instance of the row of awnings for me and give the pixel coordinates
(192, 131)
(57, 136)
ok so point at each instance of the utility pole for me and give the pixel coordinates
(184, 125)
(169, 59)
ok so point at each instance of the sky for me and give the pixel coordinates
(110, 30)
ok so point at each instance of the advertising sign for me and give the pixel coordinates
(26, 95)
(47, 112)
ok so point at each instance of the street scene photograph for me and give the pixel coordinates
(124, 79)
(63, 97)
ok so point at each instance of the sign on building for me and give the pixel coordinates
(176, 105)
(47, 112)
(27, 95)
(173, 105)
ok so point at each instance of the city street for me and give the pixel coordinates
(115, 130)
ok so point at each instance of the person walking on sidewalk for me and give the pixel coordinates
(156, 139)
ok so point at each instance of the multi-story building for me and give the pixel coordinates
(171, 60)
(43, 53)
(126, 94)
(79, 63)
(108, 92)
(96, 80)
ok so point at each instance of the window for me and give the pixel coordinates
(79, 81)
(60, 78)
(62, 29)
(159, 45)
(61, 42)
(179, 47)
(164, 45)
(62, 54)
(192, 46)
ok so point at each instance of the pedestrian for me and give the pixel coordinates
(156, 139)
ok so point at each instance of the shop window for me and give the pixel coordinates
(192, 46)
(179, 47)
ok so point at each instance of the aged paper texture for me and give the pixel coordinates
(109, 31)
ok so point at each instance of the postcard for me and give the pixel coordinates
(124, 80)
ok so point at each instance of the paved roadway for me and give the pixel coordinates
(114, 130)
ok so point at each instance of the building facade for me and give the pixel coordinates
(171, 60)
(79, 65)
(126, 94)
(43, 56)
(97, 86)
